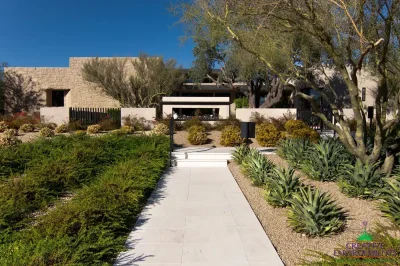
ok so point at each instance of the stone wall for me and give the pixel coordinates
(80, 94)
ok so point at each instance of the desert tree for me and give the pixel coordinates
(134, 82)
(297, 37)
(236, 66)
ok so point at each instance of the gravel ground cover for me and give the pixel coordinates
(292, 246)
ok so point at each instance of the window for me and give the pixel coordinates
(57, 98)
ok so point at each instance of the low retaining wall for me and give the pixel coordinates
(244, 114)
(57, 115)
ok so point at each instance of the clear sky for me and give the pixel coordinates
(48, 32)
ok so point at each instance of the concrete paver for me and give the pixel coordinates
(198, 217)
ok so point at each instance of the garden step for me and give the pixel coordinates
(200, 162)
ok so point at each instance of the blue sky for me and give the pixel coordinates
(48, 32)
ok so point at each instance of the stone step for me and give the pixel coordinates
(200, 162)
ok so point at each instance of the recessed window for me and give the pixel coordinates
(57, 98)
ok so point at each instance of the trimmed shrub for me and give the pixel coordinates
(26, 128)
(3, 126)
(314, 213)
(161, 129)
(305, 133)
(361, 180)
(231, 137)
(197, 138)
(46, 132)
(108, 124)
(197, 135)
(281, 185)
(80, 132)
(292, 125)
(76, 125)
(267, 135)
(63, 128)
(128, 129)
(9, 140)
(93, 129)
(52, 126)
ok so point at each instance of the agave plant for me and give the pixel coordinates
(257, 167)
(293, 150)
(240, 153)
(325, 160)
(361, 180)
(280, 187)
(390, 196)
(314, 213)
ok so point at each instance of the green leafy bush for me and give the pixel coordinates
(305, 133)
(128, 129)
(361, 180)
(231, 137)
(161, 129)
(46, 132)
(314, 213)
(292, 125)
(91, 229)
(267, 135)
(3, 126)
(242, 102)
(281, 186)
(325, 160)
(257, 167)
(390, 196)
(109, 124)
(294, 151)
(8, 140)
(63, 128)
(197, 135)
(240, 153)
(93, 129)
(27, 128)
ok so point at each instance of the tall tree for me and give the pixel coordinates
(134, 82)
(293, 37)
(235, 65)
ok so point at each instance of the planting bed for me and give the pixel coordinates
(292, 246)
(109, 179)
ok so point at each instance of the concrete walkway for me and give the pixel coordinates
(198, 217)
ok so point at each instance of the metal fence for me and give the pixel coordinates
(313, 121)
(91, 116)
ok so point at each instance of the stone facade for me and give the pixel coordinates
(77, 92)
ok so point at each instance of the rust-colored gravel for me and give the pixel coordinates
(292, 246)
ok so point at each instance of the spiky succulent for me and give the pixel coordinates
(325, 160)
(257, 167)
(361, 180)
(314, 213)
(239, 154)
(293, 150)
(390, 196)
(280, 186)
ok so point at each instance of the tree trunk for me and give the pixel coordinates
(275, 94)
(388, 164)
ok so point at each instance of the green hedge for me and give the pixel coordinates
(92, 228)
(80, 164)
